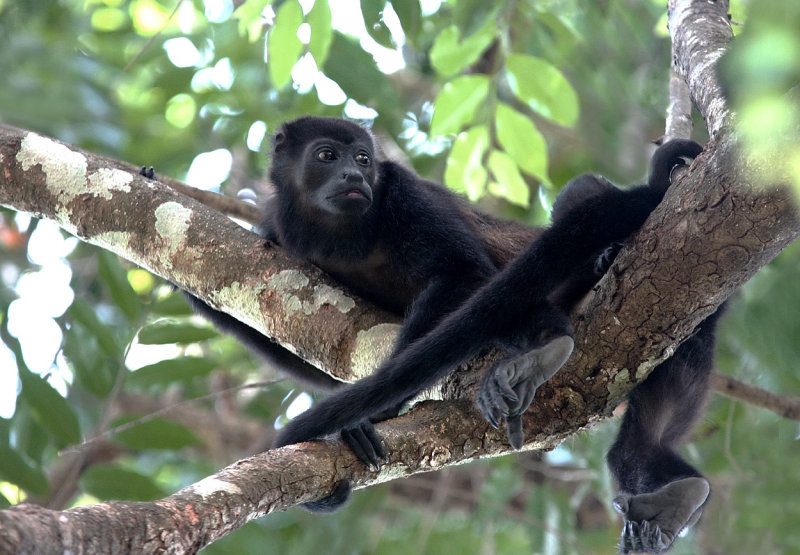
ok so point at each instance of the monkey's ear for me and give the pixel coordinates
(279, 139)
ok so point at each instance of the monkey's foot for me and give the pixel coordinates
(508, 388)
(364, 441)
(149, 173)
(654, 520)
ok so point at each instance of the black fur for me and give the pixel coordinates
(525, 308)
(405, 243)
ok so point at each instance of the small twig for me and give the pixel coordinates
(152, 39)
(229, 206)
(146, 418)
(782, 405)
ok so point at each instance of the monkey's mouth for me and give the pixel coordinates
(352, 199)
(357, 193)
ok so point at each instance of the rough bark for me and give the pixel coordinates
(713, 231)
(104, 202)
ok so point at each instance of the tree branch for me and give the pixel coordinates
(713, 231)
(782, 405)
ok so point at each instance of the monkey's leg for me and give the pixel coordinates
(661, 493)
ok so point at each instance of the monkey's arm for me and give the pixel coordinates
(508, 388)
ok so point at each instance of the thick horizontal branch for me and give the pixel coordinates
(208, 510)
(104, 202)
(713, 231)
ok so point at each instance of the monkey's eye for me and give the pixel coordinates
(362, 159)
(326, 155)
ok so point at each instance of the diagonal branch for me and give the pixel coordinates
(713, 231)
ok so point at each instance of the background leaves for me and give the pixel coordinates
(502, 101)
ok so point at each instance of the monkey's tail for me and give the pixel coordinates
(666, 158)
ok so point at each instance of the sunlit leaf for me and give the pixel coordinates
(181, 369)
(109, 19)
(372, 10)
(111, 482)
(543, 88)
(321, 32)
(465, 172)
(458, 103)
(149, 17)
(519, 137)
(450, 53)
(283, 45)
(509, 184)
(50, 409)
(410, 15)
(248, 15)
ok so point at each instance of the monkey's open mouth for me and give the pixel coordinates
(355, 193)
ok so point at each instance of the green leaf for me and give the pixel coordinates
(173, 304)
(450, 55)
(465, 172)
(248, 16)
(50, 409)
(115, 278)
(509, 184)
(543, 88)
(519, 137)
(355, 72)
(458, 103)
(81, 312)
(92, 369)
(410, 15)
(111, 482)
(157, 433)
(15, 469)
(372, 10)
(181, 369)
(321, 32)
(164, 332)
(283, 46)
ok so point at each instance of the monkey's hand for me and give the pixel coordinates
(363, 440)
(509, 386)
(654, 520)
(148, 172)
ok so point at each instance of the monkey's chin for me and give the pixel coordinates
(351, 205)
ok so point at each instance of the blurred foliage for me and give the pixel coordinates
(503, 101)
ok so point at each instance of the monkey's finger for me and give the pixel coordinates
(514, 428)
(503, 376)
(362, 448)
(492, 396)
(374, 439)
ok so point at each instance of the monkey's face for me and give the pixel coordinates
(339, 177)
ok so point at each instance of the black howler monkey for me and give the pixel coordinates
(525, 308)
(407, 244)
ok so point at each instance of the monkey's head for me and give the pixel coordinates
(325, 164)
